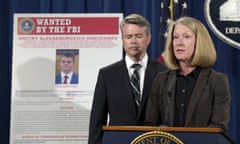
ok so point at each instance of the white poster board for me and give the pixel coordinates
(43, 111)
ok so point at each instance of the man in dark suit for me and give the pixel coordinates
(67, 75)
(114, 102)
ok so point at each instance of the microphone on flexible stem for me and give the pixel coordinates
(169, 95)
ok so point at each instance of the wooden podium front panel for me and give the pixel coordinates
(126, 134)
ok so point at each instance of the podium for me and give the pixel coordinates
(188, 135)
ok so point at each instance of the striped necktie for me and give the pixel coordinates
(135, 84)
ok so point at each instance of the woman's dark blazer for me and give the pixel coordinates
(209, 105)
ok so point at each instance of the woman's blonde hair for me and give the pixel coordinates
(204, 53)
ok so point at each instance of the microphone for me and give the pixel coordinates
(169, 95)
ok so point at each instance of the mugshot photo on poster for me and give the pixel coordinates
(67, 66)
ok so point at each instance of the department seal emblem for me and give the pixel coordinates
(26, 25)
(223, 18)
(157, 137)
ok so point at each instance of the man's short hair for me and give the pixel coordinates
(69, 55)
(137, 20)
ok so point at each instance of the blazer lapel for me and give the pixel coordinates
(123, 75)
(149, 76)
(197, 92)
(170, 95)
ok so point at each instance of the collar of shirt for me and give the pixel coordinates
(141, 71)
(69, 76)
(193, 74)
(143, 64)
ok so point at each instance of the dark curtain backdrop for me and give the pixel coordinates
(228, 60)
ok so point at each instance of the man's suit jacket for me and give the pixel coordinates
(209, 105)
(113, 96)
(74, 79)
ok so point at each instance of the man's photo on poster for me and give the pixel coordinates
(67, 61)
